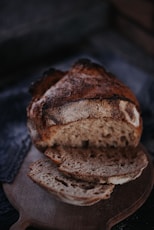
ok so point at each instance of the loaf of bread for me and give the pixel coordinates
(102, 165)
(84, 106)
(68, 190)
(88, 125)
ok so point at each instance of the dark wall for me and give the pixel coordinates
(33, 30)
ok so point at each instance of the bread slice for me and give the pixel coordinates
(86, 106)
(68, 190)
(102, 165)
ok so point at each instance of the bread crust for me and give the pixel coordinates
(84, 82)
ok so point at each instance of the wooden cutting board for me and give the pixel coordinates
(40, 209)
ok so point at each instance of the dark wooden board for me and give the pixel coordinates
(40, 209)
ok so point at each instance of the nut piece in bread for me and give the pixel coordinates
(85, 106)
(68, 190)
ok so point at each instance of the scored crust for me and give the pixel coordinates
(68, 190)
(104, 165)
(84, 101)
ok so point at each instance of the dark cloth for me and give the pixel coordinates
(14, 138)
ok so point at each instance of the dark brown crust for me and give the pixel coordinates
(87, 80)
(50, 77)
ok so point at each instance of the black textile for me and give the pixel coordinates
(14, 139)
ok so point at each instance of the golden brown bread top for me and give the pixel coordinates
(85, 80)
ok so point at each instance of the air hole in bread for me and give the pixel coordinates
(111, 129)
(56, 156)
(107, 196)
(108, 135)
(88, 186)
(123, 138)
(126, 143)
(61, 181)
(93, 170)
(92, 155)
(48, 173)
(85, 143)
(96, 193)
(73, 185)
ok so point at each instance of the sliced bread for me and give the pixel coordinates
(68, 190)
(103, 165)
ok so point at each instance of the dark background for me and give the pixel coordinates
(49, 31)
(35, 35)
